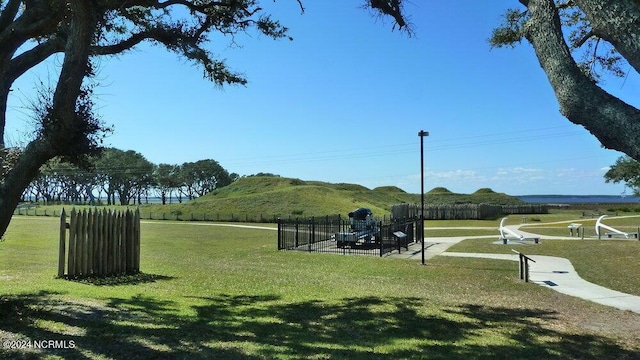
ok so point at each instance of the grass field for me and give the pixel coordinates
(210, 291)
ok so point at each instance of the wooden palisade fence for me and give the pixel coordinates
(100, 243)
(464, 211)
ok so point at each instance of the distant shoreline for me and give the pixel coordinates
(577, 199)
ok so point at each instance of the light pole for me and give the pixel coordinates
(422, 134)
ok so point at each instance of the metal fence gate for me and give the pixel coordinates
(320, 235)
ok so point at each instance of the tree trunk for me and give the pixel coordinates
(17, 180)
(55, 141)
(615, 123)
(616, 21)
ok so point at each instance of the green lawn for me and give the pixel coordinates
(224, 292)
(610, 263)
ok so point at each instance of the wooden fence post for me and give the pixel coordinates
(129, 241)
(97, 243)
(123, 248)
(71, 263)
(118, 243)
(83, 242)
(136, 235)
(113, 243)
(105, 243)
(90, 228)
(63, 240)
(113, 254)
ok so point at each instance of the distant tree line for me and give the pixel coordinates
(127, 175)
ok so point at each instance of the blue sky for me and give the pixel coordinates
(345, 100)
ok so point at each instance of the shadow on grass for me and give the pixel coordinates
(258, 327)
(133, 279)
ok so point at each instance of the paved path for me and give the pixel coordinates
(549, 271)
(558, 274)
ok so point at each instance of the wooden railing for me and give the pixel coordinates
(524, 265)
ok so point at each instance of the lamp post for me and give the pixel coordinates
(422, 134)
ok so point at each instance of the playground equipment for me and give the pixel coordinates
(364, 230)
(614, 231)
(505, 232)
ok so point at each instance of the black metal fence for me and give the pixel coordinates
(335, 235)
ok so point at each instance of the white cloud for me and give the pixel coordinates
(577, 174)
(520, 175)
(519, 171)
(457, 175)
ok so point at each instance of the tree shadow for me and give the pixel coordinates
(131, 279)
(266, 326)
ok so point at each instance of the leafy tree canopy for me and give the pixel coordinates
(627, 171)
(124, 172)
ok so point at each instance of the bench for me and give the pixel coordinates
(536, 240)
(590, 213)
(610, 235)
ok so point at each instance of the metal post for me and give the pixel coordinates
(381, 242)
(422, 134)
(62, 244)
(522, 267)
(280, 240)
(309, 230)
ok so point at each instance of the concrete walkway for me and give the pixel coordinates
(558, 274)
(549, 271)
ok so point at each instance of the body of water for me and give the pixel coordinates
(576, 199)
